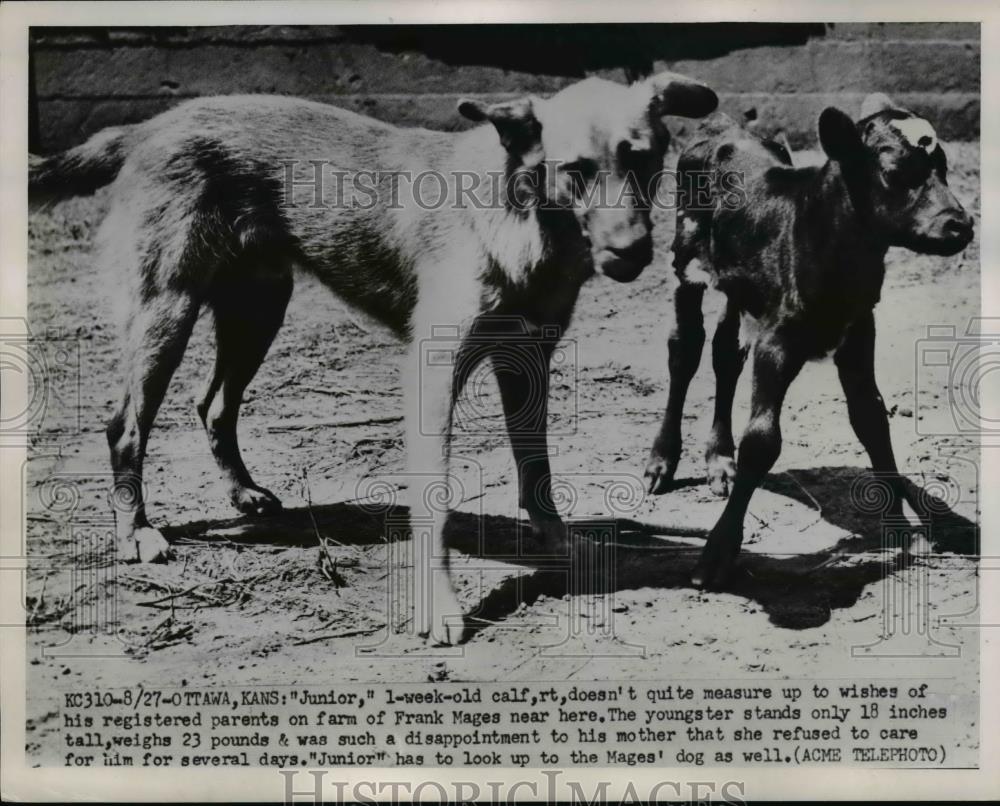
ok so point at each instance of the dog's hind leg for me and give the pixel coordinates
(156, 335)
(728, 357)
(248, 312)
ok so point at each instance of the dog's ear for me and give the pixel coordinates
(520, 131)
(839, 136)
(674, 94)
(875, 103)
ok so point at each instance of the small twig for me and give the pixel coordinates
(828, 561)
(163, 636)
(131, 581)
(815, 503)
(291, 380)
(359, 498)
(309, 506)
(337, 392)
(342, 391)
(336, 423)
(176, 595)
(327, 565)
(383, 441)
(33, 617)
(173, 596)
(346, 634)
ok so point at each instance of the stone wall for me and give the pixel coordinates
(85, 79)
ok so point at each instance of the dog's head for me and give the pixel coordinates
(897, 173)
(596, 148)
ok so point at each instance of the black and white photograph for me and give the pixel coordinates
(598, 407)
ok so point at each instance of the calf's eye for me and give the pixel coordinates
(906, 178)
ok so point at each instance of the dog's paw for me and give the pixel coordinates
(443, 624)
(721, 473)
(447, 632)
(659, 474)
(255, 501)
(145, 545)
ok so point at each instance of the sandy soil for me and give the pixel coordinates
(266, 610)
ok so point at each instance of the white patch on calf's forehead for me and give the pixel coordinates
(917, 132)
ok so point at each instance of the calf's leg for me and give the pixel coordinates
(684, 354)
(855, 360)
(775, 365)
(728, 358)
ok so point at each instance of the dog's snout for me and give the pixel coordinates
(639, 251)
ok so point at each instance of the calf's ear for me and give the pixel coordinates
(674, 94)
(875, 103)
(520, 131)
(839, 136)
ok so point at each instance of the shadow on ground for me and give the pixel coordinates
(797, 591)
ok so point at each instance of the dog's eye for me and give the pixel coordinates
(581, 172)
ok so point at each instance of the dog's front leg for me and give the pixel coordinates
(522, 370)
(440, 322)
(437, 612)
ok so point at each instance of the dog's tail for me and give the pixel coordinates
(78, 171)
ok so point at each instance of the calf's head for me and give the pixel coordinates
(596, 149)
(896, 172)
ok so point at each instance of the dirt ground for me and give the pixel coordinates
(248, 601)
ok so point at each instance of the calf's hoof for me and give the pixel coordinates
(721, 472)
(255, 501)
(659, 473)
(715, 568)
(145, 545)
(711, 577)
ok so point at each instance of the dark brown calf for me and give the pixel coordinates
(800, 255)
